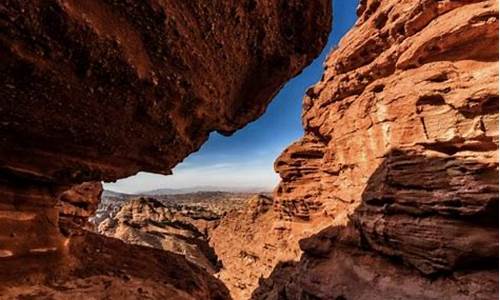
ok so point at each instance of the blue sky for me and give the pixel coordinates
(245, 159)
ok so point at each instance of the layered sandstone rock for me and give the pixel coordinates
(390, 84)
(98, 90)
(148, 222)
(253, 241)
(79, 203)
(45, 253)
(401, 153)
(97, 267)
(335, 265)
(299, 167)
(444, 219)
(248, 246)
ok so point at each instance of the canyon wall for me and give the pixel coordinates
(400, 153)
(253, 241)
(99, 90)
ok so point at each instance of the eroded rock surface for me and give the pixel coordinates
(79, 203)
(376, 98)
(252, 241)
(444, 219)
(99, 90)
(336, 266)
(98, 267)
(239, 241)
(148, 222)
(401, 154)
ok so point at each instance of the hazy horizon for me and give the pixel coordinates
(246, 159)
(202, 188)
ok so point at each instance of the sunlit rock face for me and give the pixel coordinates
(148, 222)
(410, 73)
(401, 154)
(99, 90)
(245, 243)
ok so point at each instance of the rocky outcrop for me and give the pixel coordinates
(99, 90)
(252, 241)
(148, 222)
(79, 203)
(444, 219)
(401, 154)
(45, 253)
(202, 209)
(407, 240)
(97, 267)
(81, 78)
(299, 167)
(373, 100)
(248, 246)
(335, 265)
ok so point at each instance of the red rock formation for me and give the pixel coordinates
(102, 89)
(98, 90)
(97, 267)
(251, 242)
(79, 203)
(336, 267)
(443, 105)
(147, 222)
(401, 153)
(242, 242)
(372, 99)
(444, 219)
(299, 167)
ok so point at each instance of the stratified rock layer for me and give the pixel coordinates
(147, 222)
(79, 203)
(239, 243)
(97, 267)
(401, 152)
(410, 73)
(252, 241)
(99, 90)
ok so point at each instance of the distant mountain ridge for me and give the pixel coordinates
(196, 189)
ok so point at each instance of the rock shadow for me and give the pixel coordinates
(424, 217)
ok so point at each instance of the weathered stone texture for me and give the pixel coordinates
(400, 151)
(99, 90)
(96, 90)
